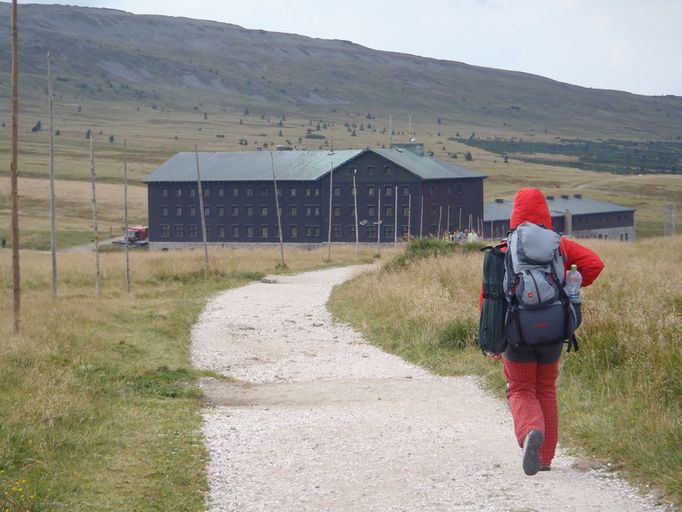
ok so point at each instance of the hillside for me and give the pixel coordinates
(145, 61)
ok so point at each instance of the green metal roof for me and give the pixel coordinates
(251, 166)
(496, 211)
(426, 167)
(299, 165)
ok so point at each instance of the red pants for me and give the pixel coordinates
(532, 396)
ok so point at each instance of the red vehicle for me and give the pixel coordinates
(137, 235)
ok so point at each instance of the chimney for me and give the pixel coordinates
(550, 198)
(568, 223)
(578, 196)
(499, 201)
(563, 196)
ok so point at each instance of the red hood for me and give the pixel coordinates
(530, 205)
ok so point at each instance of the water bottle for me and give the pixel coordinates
(573, 283)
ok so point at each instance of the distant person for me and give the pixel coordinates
(3, 243)
(532, 370)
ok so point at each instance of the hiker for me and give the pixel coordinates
(532, 371)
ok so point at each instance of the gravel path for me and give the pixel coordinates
(320, 420)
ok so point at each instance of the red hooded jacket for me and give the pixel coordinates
(530, 205)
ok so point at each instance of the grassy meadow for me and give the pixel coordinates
(99, 405)
(620, 396)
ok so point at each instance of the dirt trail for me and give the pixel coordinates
(321, 420)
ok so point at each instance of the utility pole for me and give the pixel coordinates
(409, 217)
(448, 221)
(125, 211)
(53, 222)
(440, 216)
(329, 230)
(379, 222)
(279, 216)
(421, 218)
(395, 223)
(201, 210)
(98, 291)
(16, 278)
(355, 205)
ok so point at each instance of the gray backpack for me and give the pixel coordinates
(539, 311)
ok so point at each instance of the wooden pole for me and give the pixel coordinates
(395, 212)
(98, 291)
(53, 216)
(125, 211)
(448, 222)
(329, 230)
(201, 210)
(440, 216)
(16, 275)
(409, 217)
(379, 221)
(279, 216)
(421, 219)
(460, 219)
(355, 204)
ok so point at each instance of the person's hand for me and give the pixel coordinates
(494, 357)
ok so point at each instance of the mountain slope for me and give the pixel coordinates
(179, 63)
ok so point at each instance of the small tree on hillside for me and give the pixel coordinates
(468, 157)
(37, 127)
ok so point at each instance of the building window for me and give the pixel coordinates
(209, 231)
(293, 231)
(192, 192)
(249, 192)
(249, 231)
(317, 211)
(370, 171)
(263, 211)
(316, 191)
(164, 193)
(308, 211)
(207, 211)
(279, 192)
(337, 211)
(459, 189)
(178, 211)
(351, 231)
(164, 211)
(249, 211)
(449, 189)
(406, 191)
(221, 191)
(192, 211)
(308, 192)
(264, 191)
(221, 211)
(337, 231)
(406, 211)
(235, 192)
(292, 192)
(389, 211)
(165, 230)
(221, 231)
(235, 231)
(352, 211)
(371, 211)
(207, 192)
(192, 228)
(178, 192)
(371, 191)
(337, 191)
(316, 230)
(389, 231)
(177, 231)
(308, 231)
(263, 231)
(293, 211)
(388, 191)
(403, 230)
(371, 231)
(235, 211)
(388, 171)
(434, 210)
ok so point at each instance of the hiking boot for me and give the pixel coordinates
(545, 467)
(531, 452)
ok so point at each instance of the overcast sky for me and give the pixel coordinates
(630, 45)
